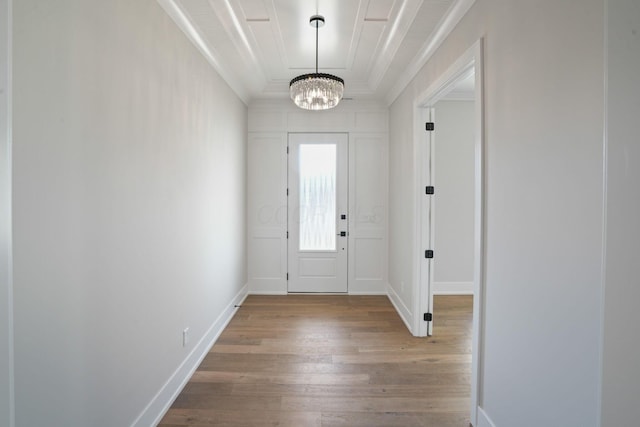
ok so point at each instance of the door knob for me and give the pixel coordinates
(343, 234)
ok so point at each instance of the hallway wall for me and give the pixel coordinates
(129, 211)
(543, 68)
(270, 122)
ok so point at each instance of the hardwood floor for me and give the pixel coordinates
(332, 361)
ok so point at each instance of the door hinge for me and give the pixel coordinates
(287, 234)
(430, 189)
(428, 253)
(430, 126)
(287, 149)
(287, 191)
(287, 276)
(428, 317)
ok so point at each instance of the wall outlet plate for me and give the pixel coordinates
(185, 337)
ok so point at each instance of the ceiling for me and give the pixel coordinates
(258, 46)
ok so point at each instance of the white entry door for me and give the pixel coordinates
(317, 212)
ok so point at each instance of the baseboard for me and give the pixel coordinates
(365, 293)
(483, 419)
(317, 293)
(452, 288)
(162, 401)
(268, 293)
(401, 308)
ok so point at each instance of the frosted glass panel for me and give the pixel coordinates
(317, 197)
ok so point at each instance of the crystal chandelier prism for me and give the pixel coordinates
(316, 91)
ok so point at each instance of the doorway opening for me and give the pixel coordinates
(450, 200)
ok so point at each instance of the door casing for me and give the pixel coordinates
(472, 59)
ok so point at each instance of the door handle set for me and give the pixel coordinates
(343, 233)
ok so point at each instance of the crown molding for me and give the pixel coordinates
(405, 15)
(453, 16)
(180, 17)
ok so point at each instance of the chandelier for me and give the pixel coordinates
(316, 91)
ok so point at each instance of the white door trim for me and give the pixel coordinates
(7, 401)
(471, 59)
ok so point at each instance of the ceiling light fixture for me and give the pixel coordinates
(316, 91)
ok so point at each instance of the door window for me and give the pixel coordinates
(317, 204)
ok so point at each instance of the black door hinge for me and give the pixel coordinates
(287, 276)
(428, 317)
(430, 189)
(287, 149)
(428, 253)
(287, 191)
(287, 234)
(430, 126)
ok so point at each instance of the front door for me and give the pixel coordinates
(317, 212)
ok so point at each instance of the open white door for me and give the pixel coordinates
(317, 212)
(427, 201)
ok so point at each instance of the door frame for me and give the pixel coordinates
(347, 206)
(7, 380)
(472, 59)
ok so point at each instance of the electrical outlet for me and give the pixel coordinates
(185, 337)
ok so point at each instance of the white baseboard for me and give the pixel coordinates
(483, 419)
(317, 293)
(365, 293)
(452, 288)
(401, 308)
(162, 401)
(268, 293)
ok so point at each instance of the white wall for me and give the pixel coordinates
(542, 310)
(453, 201)
(267, 213)
(6, 297)
(401, 210)
(621, 376)
(269, 124)
(129, 169)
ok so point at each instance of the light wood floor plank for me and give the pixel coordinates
(325, 360)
